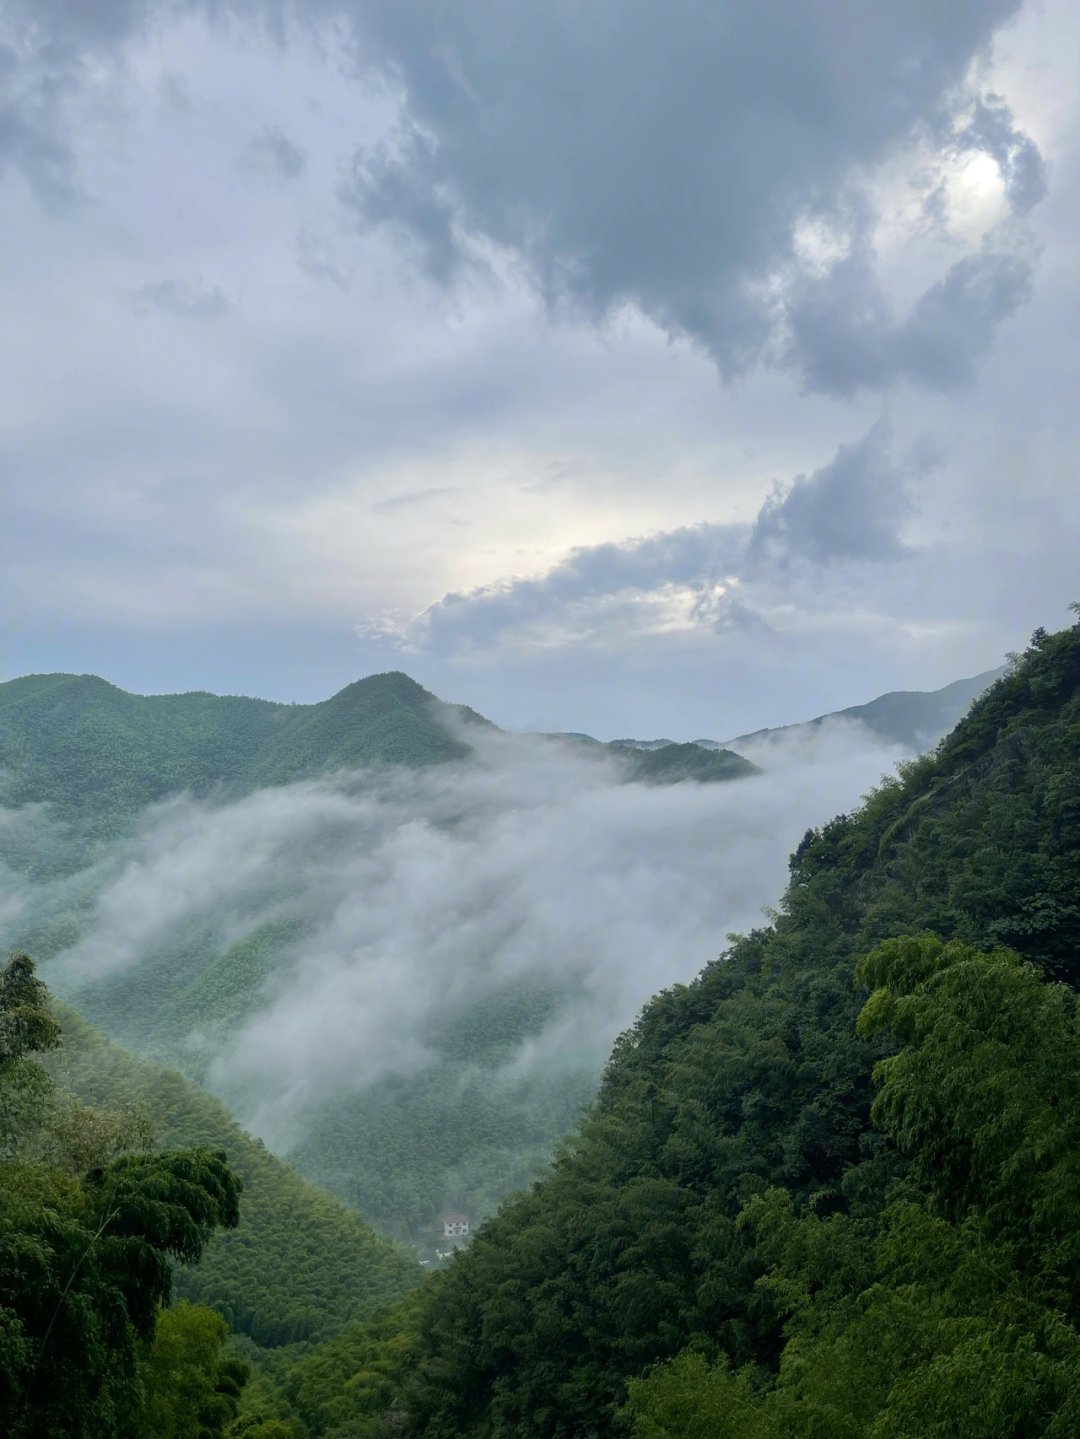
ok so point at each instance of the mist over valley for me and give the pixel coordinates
(623, 979)
(398, 941)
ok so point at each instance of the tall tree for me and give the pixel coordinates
(85, 1259)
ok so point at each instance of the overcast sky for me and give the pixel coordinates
(623, 366)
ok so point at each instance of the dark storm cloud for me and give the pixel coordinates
(628, 151)
(844, 336)
(666, 155)
(850, 509)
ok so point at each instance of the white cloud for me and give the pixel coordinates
(218, 503)
(426, 892)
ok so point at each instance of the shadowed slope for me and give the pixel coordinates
(301, 1265)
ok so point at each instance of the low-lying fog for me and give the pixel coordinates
(425, 891)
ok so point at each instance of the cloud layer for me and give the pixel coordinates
(718, 577)
(718, 167)
(714, 165)
(427, 893)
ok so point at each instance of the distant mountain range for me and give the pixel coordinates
(916, 719)
(95, 752)
(88, 748)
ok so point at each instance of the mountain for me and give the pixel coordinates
(674, 763)
(301, 1265)
(829, 1187)
(916, 719)
(81, 761)
(93, 751)
(97, 754)
(663, 761)
(735, 1177)
(460, 1131)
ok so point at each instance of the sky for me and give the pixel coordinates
(633, 368)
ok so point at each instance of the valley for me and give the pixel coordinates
(691, 1186)
(398, 942)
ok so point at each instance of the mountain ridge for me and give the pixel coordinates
(914, 718)
(86, 746)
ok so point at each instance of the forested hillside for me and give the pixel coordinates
(96, 753)
(459, 1134)
(300, 1265)
(93, 1224)
(733, 1201)
(830, 1188)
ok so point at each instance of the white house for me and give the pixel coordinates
(455, 1226)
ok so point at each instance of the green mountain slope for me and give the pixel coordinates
(387, 718)
(674, 763)
(92, 751)
(914, 718)
(637, 1246)
(458, 1135)
(301, 1265)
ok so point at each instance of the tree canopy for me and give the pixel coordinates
(86, 1253)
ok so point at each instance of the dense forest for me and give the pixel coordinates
(302, 1264)
(806, 1133)
(91, 1223)
(98, 755)
(830, 1188)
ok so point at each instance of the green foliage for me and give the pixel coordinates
(754, 1078)
(349, 1385)
(182, 1002)
(84, 1266)
(98, 755)
(191, 1384)
(86, 1259)
(673, 763)
(694, 1399)
(227, 992)
(985, 1094)
(26, 1028)
(302, 1264)
(954, 1310)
